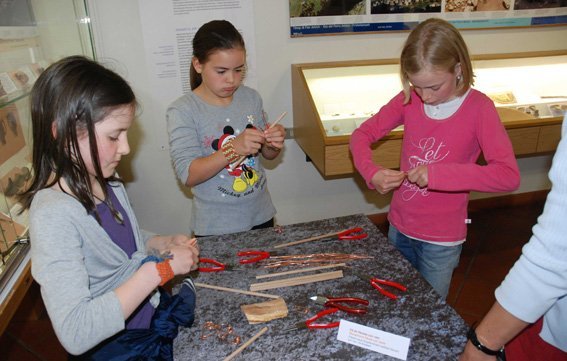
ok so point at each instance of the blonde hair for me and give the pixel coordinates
(435, 44)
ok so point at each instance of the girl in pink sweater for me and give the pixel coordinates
(447, 125)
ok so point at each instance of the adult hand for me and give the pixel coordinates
(248, 142)
(418, 175)
(386, 180)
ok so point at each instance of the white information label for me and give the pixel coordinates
(372, 339)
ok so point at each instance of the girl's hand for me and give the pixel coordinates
(248, 142)
(418, 175)
(159, 244)
(386, 180)
(184, 259)
(275, 136)
(183, 240)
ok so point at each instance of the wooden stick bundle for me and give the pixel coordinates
(242, 158)
(310, 269)
(296, 281)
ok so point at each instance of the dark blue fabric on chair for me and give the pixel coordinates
(155, 343)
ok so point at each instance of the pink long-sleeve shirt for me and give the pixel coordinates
(450, 148)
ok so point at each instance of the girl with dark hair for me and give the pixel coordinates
(89, 255)
(216, 134)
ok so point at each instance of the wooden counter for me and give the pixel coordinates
(15, 291)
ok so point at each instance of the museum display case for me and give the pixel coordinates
(33, 34)
(332, 99)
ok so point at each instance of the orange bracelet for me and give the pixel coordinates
(165, 271)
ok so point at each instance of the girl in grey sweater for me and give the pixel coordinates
(86, 245)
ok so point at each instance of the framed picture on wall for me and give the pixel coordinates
(328, 17)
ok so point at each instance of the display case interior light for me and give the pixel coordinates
(523, 82)
(347, 96)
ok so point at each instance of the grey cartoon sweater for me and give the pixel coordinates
(233, 200)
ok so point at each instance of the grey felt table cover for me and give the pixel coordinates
(436, 331)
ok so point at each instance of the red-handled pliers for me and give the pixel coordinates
(352, 234)
(309, 323)
(258, 256)
(217, 266)
(338, 302)
(377, 283)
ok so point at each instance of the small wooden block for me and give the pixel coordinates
(265, 311)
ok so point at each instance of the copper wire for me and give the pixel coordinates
(311, 259)
(223, 332)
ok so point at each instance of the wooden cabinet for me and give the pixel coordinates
(331, 99)
(33, 34)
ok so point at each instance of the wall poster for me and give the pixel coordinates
(168, 28)
(326, 17)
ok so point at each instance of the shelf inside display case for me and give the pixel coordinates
(33, 34)
(330, 100)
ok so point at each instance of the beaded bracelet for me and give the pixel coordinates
(165, 271)
(229, 153)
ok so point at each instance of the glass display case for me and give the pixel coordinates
(332, 99)
(33, 34)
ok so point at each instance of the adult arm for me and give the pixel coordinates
(496, 329)
(539, 278)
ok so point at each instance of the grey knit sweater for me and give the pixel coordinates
(78, 266)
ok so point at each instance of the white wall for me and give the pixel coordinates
(298, 190)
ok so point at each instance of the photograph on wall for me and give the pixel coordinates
(405, 6)
(11, 136)
(13, 183)
(476, 5)
(303, 8)
(23, 77)
(328, 17)
(7, 86)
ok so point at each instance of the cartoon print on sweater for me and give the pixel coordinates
(244, 174)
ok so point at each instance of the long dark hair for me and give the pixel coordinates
(67, 100)
(212, 36)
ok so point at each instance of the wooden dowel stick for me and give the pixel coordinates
(296, 281)
(281, 245)
(246, 344)
(219, 288)
(241, 159)
(300, 271)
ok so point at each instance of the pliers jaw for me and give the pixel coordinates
(352, 234)
(378, 284)
(339, 302)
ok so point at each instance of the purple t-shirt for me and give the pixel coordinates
(123, 236)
